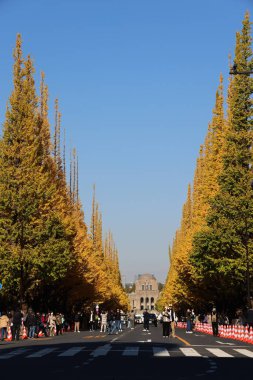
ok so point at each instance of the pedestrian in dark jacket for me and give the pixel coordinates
(77, 319)
(146, 320)
(189, 321)
(17, 320)
(58, 321)
(31, 324)
(166, 323)
(215, 325)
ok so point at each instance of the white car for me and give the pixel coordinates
(138, 318)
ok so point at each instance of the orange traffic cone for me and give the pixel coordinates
(24, 335)
(250, 336)
(241, 333)
(9, 335)
(245, 335)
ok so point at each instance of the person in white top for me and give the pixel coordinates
(103, 321)
(172, 318)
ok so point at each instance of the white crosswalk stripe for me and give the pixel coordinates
(11, 354)
(131, 351)
(71, 351)
(101, 351)
(41, 353)
(187, 351)
(245, 352)
(219, 353)
(160, 352)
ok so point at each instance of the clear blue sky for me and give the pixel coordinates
(136, 81)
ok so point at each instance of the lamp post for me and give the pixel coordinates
(234, 71)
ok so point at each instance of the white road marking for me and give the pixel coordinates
(219, 353)
(229, 344)
(160, 352)
(41, 353)
(131, 351)
(71, 351)
(187, 351)
(247, 353)
(9, 355)
(101, 351)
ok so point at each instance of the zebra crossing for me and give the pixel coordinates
(128, 351)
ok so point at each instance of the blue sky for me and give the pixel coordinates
(136, 82)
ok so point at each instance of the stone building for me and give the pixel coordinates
(146, 293)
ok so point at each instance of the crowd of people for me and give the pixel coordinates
(16, 324)
(38, 325)
(31, 325)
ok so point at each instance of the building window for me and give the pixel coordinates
(147, 287)
(142, 307)
(152, 307)
(142, 287)
(142, 299)
(150, 287)
(147, 300)
(152, 300)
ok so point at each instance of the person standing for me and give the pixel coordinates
(17, 320)
(214, 319)
(166, 323)
(172, 319)
(51, 323)
(103, 321)
(189, 321)
(77, 318)
(43, 325)
(97, 321)
(58, 321)
(4, 321)
(118, 321)
(111, 322)
(131, 320)
(146, 320)
(31, 324)
(91, 321)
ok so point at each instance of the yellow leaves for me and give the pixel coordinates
(205, 186)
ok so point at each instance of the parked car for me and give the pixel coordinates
(123, 318)
(138, 318)
(153, 319)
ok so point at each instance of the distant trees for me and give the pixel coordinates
(48, 256)
(212, 253)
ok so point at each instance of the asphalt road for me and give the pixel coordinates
(130, 355)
